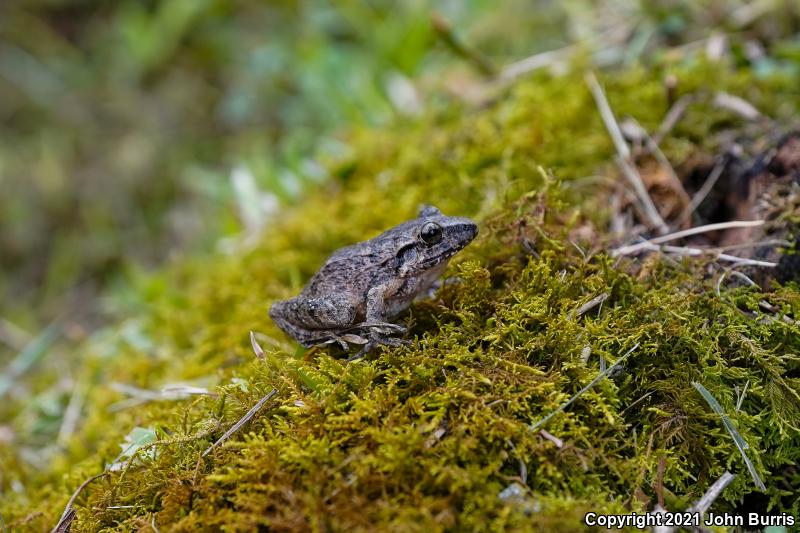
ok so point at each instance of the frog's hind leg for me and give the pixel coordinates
(314, 321)
(334, 311)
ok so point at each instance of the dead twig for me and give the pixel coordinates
(624, 154)
(242, 421)
(662, 465)
(756, 244)
(140, 396)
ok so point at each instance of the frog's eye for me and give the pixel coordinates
(431, 233)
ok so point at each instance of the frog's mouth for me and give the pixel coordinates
(435, 260)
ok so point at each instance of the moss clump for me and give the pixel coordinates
(429, 436)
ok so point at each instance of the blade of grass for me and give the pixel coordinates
(600, 376)
(35, 350)
(741, 445)
(242, 421)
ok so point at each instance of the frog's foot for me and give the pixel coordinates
(375, 341)
(343, 341)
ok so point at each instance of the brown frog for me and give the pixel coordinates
(360, 288)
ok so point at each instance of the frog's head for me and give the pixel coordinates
(431, 239)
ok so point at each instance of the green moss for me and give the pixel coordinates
(425, 438)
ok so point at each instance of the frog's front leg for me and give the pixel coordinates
(377, 314)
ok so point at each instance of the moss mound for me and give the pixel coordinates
(444, 434)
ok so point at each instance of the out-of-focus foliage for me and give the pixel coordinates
(121, 122)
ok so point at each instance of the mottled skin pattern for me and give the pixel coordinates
(363, 286)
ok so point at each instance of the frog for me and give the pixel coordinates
(361, 289)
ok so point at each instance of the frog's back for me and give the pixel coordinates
(358, 267)
(349, 269)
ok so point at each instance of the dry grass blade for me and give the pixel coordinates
(694, 252)
(549, 58)
(595, 381)
(712, 494)
(242, 421)
(72, 413)
(552, 438)
(701, 194)
(673, 116)
(256, 347)
(741, 445)
(740, 106)
(65, 516)
(12, 335)
(591, 304)
(655, 150)
(33, 351)
(535, 62)
(646, 245)
(445, 32)
(624, 152)
(739, 275)
(740, 395)
(139, 396)
(65, 524)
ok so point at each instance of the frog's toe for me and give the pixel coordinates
(325, 341)
(368, 347)
(361, 353)
(374, 342)
(342, 344)
(391, 341)
(386, 327)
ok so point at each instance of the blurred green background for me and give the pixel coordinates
(135, 131)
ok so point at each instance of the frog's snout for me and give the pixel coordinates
(466, 231)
